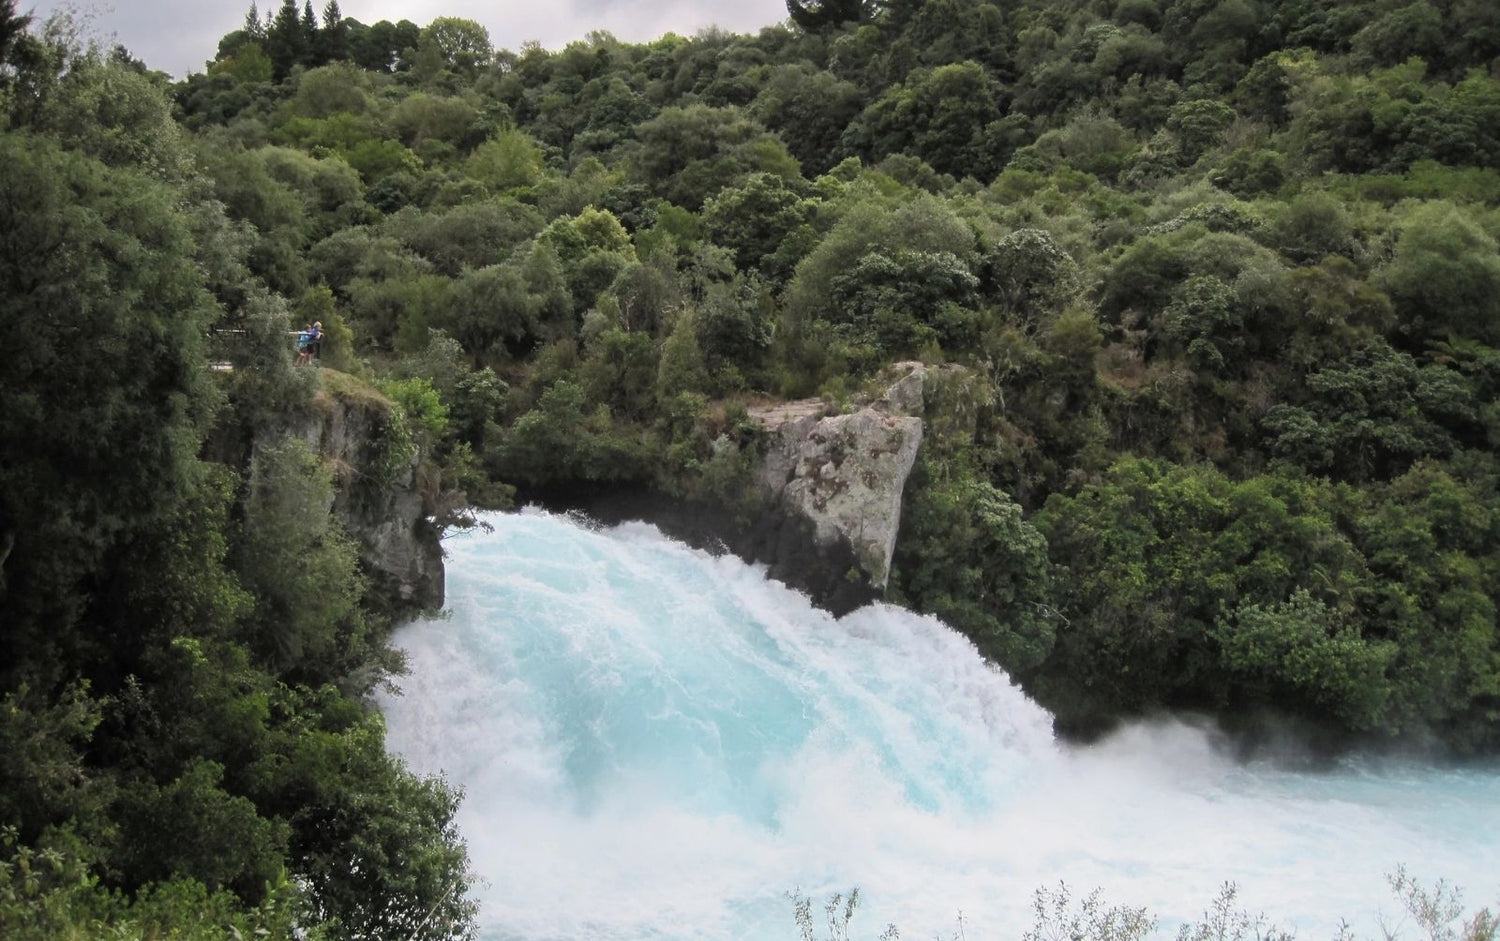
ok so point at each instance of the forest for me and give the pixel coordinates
(1222, 277)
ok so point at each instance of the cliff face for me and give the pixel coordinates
(845, 474)
(829, 492)
(379, 500)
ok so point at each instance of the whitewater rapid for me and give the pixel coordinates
(658, 743)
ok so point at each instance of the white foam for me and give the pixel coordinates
(657, 743)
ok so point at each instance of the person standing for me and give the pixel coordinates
(315, 341)
(304, 337)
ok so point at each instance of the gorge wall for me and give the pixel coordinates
(379, 497)
(828, 490)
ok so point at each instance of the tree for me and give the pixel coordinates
(969, 557)
(1476, 30)
(1415, 30)
(383, 46)
(900, 301)
(508, 161)
(1198, 125)
(1141, 280)
(172, 725)
(490, 305)
(380, 848)
(752, 219)
(106, 395)
(621, 372)
(309, 624)
(463, 45)
(473, 235)
(1266, 91)
(1336, 311)
(682, 367)
(421, 117)
(593, 248)
(309, 23)
(560, 441)
(192, 826)
(1204, 324)
(1445, 277)
(548, 285)
(943, 116)
(118, 116)
(42, 782)
(396, 313)
(12, 27)
(333, 39)
(1301, 654)
(248, 63)
(809, 108)
(286, 42)
(1372, 415)
(816, 15)
(1147, 561)
(734, 327)
(645, 295)
(1031, 276)
(254, 30)
(336, 88)
(478, 398)
(1430, 538)
(689, 153)
(924, 224)
(1313, 226)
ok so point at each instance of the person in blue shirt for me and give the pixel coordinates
(309, 343)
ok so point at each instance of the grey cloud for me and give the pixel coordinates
(172, 35)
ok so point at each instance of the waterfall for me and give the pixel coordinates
(658, 743)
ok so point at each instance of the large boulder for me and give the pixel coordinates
(845, 474)
(829, 489)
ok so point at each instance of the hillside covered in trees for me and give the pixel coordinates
(1222, 275)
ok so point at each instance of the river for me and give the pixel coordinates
(658, 743)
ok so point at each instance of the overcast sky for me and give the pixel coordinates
(179, 36)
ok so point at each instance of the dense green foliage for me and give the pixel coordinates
(188, 644)
(1222, 278)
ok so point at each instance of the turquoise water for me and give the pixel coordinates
(655, 743)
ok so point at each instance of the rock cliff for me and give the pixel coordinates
(845, 474)
(379, 499)
(829, 490)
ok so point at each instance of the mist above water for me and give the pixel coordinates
(656, 743)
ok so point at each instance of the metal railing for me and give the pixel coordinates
(228, 348)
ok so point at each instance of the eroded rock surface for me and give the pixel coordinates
(378, 500)
(830, 488)
(845, 473)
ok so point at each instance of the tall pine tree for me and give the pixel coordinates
(285, 43)
(333, 38)
(309, 35)
(254, 29)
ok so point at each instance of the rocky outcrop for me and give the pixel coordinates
(379, 499)
(845, 474)
(829, 490)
